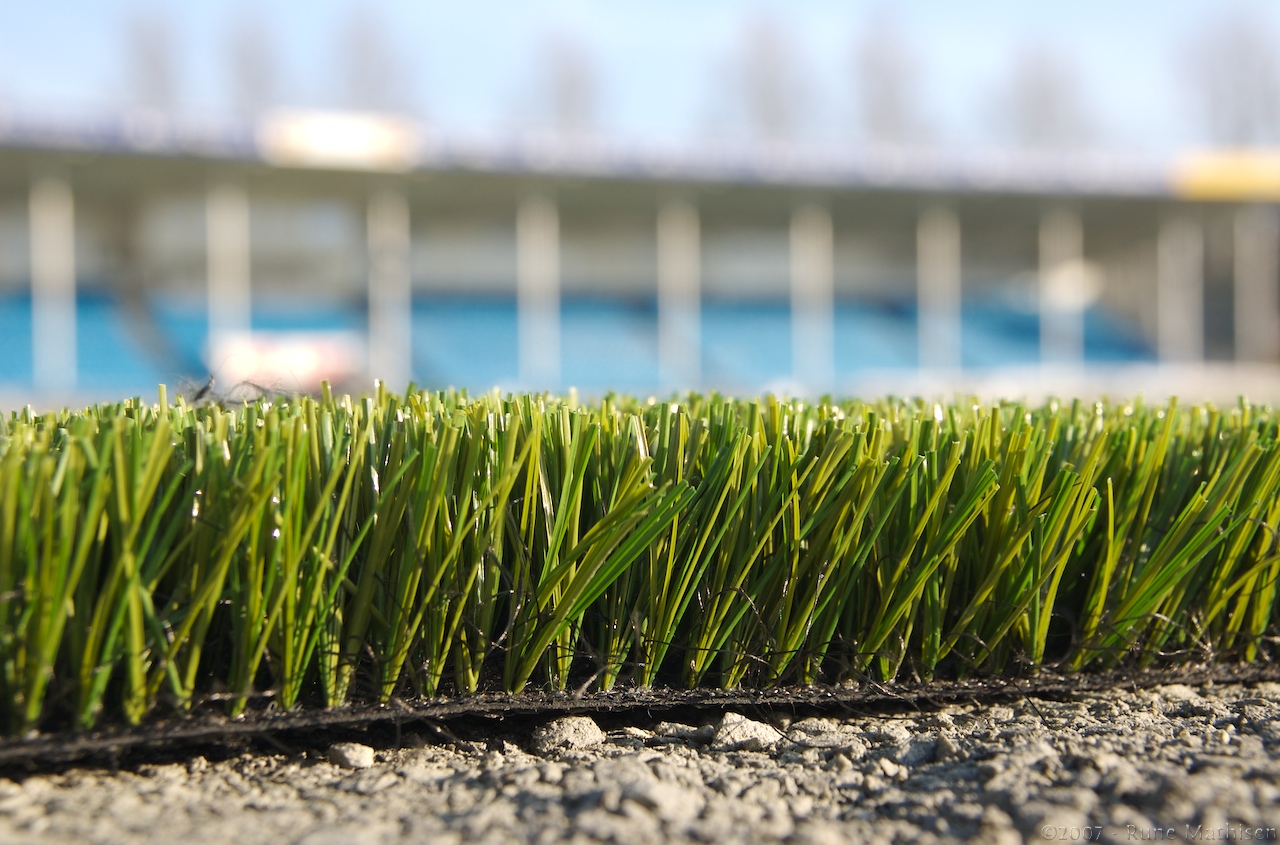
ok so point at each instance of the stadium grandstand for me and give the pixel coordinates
(347, 246)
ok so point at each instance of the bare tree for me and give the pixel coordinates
(252, 66)
(568, 99)
(375, 76)
(1041, 105)
(1234, 80)
(886, 80)
(766, 93)
(151, 69)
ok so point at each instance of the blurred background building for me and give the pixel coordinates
(640, 196)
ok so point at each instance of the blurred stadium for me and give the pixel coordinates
(277, 244)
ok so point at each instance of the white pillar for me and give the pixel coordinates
(679, 296)
(1257, 284)
(938, 289)
(390, 290)
(1180, 292)
(812, 306)
(227, 256)
(538, 292)
(1062, 289)
(53, 285)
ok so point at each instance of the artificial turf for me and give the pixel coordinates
(321, 551)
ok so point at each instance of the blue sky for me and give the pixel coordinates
(473, 64)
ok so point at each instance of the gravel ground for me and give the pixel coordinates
(1171, 762)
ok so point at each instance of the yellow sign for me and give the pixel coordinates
(1239, 175)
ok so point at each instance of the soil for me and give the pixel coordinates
(1189, 762)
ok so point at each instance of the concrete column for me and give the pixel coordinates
(1257, 284)
(1062, 293)
(53, 284)
(679, 296)
(538, 292)
(812, 305)
(1180, 292)
(390, 290)
(227, 255)
(938, 289)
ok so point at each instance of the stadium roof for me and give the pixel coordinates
(389, 143)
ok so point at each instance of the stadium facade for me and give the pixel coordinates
(347, 246)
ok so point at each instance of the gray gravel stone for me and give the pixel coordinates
(916, 751)
(571, 732)
(351, 755)
(1207, 759)
(675, 730)
(738, 733)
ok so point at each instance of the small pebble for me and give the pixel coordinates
(738, 733)
(351, 755)
(571, 732)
